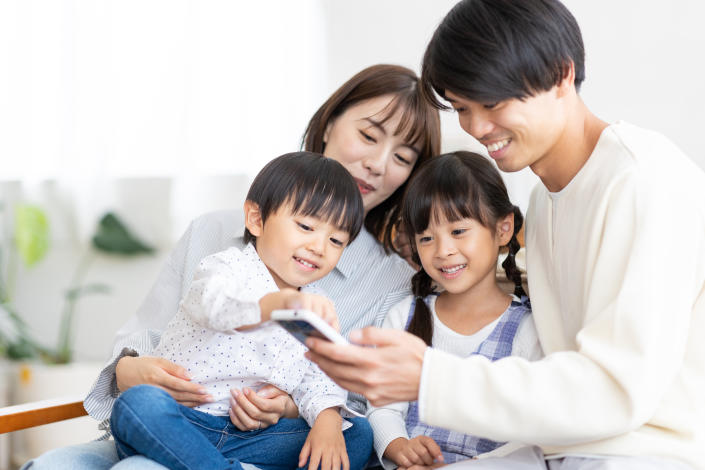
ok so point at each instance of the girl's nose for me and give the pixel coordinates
(445, 248)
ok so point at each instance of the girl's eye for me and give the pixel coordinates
(403, 160)
(368, 137)
(424, 239)
(308, 228)
(337, 242)
(459, 231)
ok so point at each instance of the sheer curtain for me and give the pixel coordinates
(95, 95)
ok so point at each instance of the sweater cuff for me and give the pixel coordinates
(423, 392)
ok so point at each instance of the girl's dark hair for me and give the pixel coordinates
(491, 50)
(314, 186)
(419, 123)
(455, 186)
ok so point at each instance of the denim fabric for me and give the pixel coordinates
(146, 420)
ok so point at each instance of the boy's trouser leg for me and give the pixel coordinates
(148, 421)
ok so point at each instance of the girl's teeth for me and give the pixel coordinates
(453, 269)
(493, 147)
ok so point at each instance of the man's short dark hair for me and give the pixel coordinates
(313, 185)
(491, 50)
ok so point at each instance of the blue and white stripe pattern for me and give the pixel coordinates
(455, 445)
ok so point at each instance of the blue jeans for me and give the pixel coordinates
(148, 421)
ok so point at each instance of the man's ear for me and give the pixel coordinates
(567, 83)
(505, 229)
(253, 218)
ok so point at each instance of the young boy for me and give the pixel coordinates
(301, 211)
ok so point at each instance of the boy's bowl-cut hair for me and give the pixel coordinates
(492, 50)
(313, 185)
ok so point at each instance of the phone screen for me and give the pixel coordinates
(301, 329)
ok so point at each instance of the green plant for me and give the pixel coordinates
(31, 241)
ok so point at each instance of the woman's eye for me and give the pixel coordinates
(459, 109)
(304, 226)
(368, 137)
(403, 160)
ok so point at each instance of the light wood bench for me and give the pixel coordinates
(14, 418)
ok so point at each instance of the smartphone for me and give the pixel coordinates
(303, 323)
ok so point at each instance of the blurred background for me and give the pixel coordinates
(161, 110)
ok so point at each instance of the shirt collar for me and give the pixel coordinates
(249, 253)
(354, 252)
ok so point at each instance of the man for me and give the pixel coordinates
(615, 259)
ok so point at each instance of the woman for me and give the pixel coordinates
(380, 129)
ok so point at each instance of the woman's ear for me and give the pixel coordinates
(505, 229)
(326, 133)
(253, 218)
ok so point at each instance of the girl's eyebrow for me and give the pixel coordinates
(379, 126)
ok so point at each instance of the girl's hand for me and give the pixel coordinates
(131, 371)
(293, 299)
(251, 410)
(325, 444)
(407, 453)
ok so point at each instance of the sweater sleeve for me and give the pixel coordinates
(630, 343)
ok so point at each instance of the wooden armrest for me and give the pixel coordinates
(13, 418)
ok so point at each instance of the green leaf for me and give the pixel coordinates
(113, 237)
(31, 233)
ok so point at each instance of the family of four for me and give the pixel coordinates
(603, 369)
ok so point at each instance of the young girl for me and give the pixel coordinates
(458, 214)
(301, 211)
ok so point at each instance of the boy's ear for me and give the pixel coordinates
(505, 229)
(253, 218)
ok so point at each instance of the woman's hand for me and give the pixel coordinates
(325, 444)
(389, 373)
(420, 451)
(251, 410)
(131, 371)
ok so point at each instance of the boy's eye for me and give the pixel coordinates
(337, 242)
(304, 226)
(368, 137)
(490, 105)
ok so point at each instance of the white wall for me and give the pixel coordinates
(644, 64)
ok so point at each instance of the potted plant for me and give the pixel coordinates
(40, 371)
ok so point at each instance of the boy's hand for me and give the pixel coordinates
(325, 444)
(293, 299)
(421, 450)
(250, 410)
